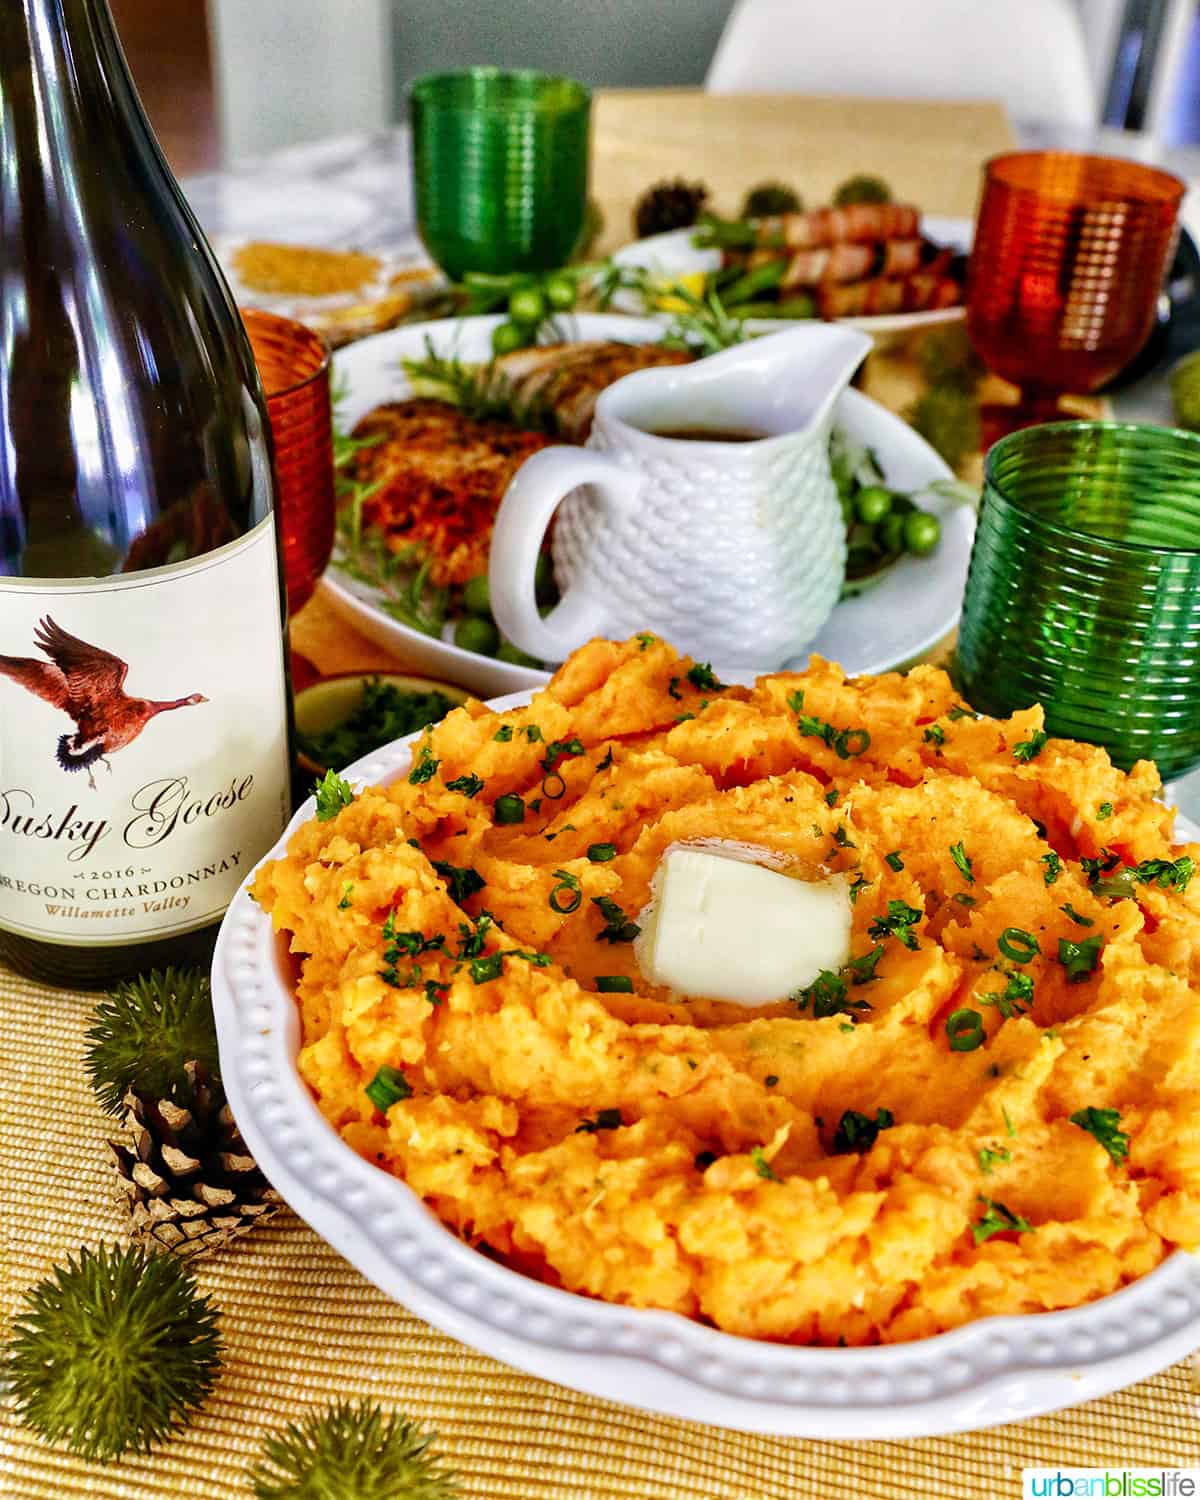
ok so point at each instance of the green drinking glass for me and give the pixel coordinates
(1084, 588)
(500, 164)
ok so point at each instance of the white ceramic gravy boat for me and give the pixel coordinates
(734, 552)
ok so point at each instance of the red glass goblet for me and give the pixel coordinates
(293, 364)
(1068, 263)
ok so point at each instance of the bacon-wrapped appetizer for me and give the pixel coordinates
(922, 292)
(858, 223)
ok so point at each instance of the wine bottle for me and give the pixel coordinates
(144, 705)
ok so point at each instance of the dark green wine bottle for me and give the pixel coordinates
(144, 718)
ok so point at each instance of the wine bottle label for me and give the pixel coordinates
(143, 744)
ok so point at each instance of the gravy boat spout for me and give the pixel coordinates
(783, 385)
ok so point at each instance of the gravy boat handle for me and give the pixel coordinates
(534, 494)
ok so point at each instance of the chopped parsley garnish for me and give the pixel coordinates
(615, 984)
(858, 1132)
(1015, 999)
(436, 991)
(1096, 866)
(795, 700)
(861, 883)
(462, 883)
(557, 749)
(962, 859)
(490, 966)
(645, 639)
(1018, 945)
(997, 1219)
(1026, 750)
(862, 969)
(388, 1087)
(509, 809)
(604, 1119)
(1079, 959)
(992, 1156)
(964, 1029)
(934, 735)
(1074, 915)
(469, 785)
(471, 938)
(898, 923)
(895, 859)
(842, 839)
(425, 768)
(1105, 1125)
(700, 675)
(533, 734)
(673, 688)
(1053, 870)
(963, 899)
(845, 743)
(618, 927)
(503, 734)
(600, 854)
(603, 764)
(1169, 875)
(347, 891)
(959, 711)
(828, 996)
(831, 797)
(1104, 811)
(684, 718)
(333, 792)
(572, 901)
(1009, 1128)
(761, 1165)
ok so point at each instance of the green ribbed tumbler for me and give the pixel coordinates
(1084, 588)
(500, 165)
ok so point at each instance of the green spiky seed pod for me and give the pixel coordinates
(112, 1352)
(770, 198)
(353, 1451)
(146, 1031)
(669, 205)
(862, 189)
(948, 419)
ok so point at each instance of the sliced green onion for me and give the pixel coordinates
(965, 1030)
(388, 1087)
(509, 809)
(614, 984)
(1018, 945)
(600, 854)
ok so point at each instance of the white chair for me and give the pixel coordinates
(1031, 54)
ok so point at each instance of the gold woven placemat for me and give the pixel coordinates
(301, 1326)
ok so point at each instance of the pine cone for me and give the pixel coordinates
(669, 205)
(189, 1182)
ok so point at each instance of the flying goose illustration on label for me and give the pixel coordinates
(87, 684)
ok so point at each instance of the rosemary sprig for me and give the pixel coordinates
(480, 391)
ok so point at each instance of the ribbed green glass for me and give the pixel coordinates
(1084, 588)
(500, 163)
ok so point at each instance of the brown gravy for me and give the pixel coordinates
(710, 434)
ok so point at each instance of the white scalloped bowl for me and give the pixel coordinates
(991, 1371)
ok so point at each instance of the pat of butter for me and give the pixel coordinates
(730, 930)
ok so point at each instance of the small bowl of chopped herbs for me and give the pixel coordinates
(339, 719)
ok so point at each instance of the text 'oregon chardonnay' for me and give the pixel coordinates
(144, 752)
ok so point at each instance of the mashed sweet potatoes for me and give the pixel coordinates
(994, 1108)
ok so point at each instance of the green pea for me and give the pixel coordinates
(873, 503)
(561, 292)
(506, 337)
(477, 597)
(527, 305)
(474, 634)
(543, 580)
(890, 532)
(922, 532)
(509, 652)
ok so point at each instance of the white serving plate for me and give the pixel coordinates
(991, 1371)
(911, 607)
(674, 254)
